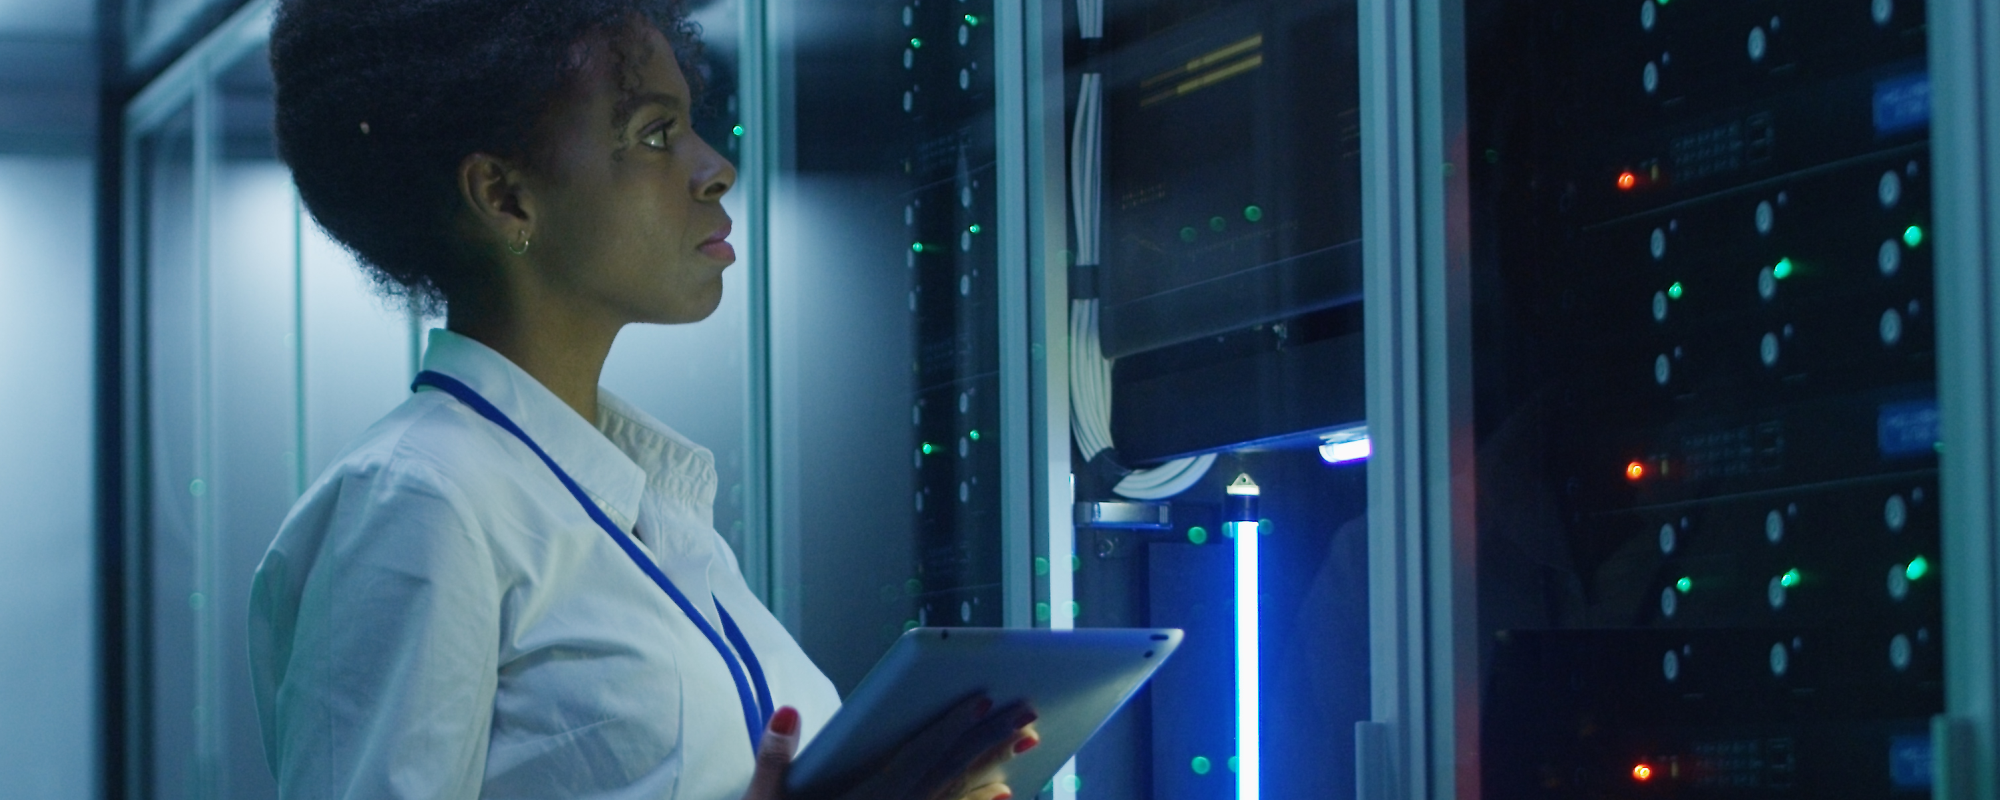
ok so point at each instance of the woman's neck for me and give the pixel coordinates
(564, 351)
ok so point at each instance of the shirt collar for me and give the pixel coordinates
(675, 466)
(605, 471)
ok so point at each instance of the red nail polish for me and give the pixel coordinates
(785, 722)
(1005, 796)
(984, 705)
(1026, 744)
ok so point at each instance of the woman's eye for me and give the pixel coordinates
(656, 137)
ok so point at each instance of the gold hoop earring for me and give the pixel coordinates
(524, 245)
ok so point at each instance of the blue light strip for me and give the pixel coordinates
(1248, 746)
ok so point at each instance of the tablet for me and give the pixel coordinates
(1073, 680)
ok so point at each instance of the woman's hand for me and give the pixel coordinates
(774, 756)
(961, 756)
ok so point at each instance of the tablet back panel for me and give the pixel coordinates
(1074, 681)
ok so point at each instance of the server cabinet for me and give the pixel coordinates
(1670, 487)
(1704, 398)
(997, 225)
(1214, 201)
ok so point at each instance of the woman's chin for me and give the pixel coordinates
(685, 310)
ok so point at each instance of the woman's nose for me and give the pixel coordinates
(715, 175)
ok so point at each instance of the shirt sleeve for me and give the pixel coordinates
(379, 641)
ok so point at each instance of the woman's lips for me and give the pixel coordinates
(717, 245)
(718, 250)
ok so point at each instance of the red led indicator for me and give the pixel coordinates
(1635, 471)
(1627, 180)
(1642, 773)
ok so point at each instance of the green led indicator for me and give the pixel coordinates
(1041, 612)
(1188, 234)
(928, 449)
(972, 20)
(1041, 565)
(1675, 290)
(916, 44)
(1782, 270)
(738, 130)
(1075, 782)
(1232, 763)
(917, 247)
(1790, 578)
(1217, 224)
(1075, 563)
(1913, 236)
(975, 228)
(974, 435)
(1684, 584)
(909, 625)
(1198, 534)
(1253, 213)
(1074, 609)
(1918, 568)
(1200, 765)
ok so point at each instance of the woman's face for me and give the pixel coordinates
(627, 216)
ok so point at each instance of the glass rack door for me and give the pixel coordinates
(259, 352)
(886, 293)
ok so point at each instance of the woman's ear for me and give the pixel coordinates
(495, 197)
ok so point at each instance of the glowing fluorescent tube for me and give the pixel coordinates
(1243, 512)
(1344, 445)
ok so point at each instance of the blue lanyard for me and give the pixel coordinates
(757, 709)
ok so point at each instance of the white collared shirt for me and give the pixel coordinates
(439, 618)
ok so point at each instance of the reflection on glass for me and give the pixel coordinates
(178, 510)
(265, 352)
(250, 394)
(885, 321)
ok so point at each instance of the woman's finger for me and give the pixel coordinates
(913, 764)
(774, 756)
(978, 751)
(989, 767)
(1024, 739)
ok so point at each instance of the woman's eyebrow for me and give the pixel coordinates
(631, 105)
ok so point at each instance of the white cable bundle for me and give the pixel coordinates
(1089, 370)
(1090, 18)
(1086, 185)
(1090, 413)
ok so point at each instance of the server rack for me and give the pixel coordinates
(1705, 403)
(1490, 225)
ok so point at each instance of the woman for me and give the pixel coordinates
(509, 587)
